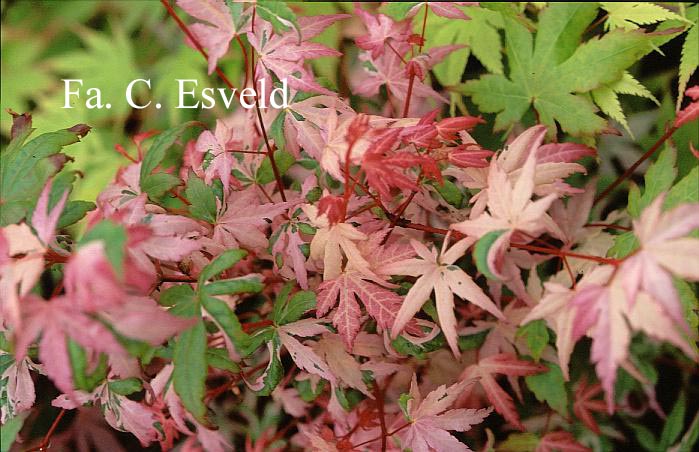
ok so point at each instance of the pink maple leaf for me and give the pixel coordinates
(216, 29)
(56, 322)
(665, 251)
(437, 272)
(303, 355)
(381, 304)
(381, 30)
(19, 388)
(242, 219)
(444, 9)
(284, 55)
(388, 70)
(431, 419)
(690, 112)
(44, 220)
(554, 162)
(218, 144)
(511, 210)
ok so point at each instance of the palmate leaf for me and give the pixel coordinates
(690, 47)
(479, 35)
(551, 72)
(24, 170)
(629, 15)
(108, 63)
(607, 97)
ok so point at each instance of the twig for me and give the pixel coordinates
(46, 442)
(633, 167)
(270, 151)
(196, 43)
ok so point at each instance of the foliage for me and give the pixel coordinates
(422, 251)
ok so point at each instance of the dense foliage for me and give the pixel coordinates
(473, 227)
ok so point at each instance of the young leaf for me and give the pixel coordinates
(278, 14)
(549, 387)
(658, 178)
(202, 199)
(223, 262)
(191, 369)
(282, 159)
(24, 170)
(537, 336)
(157, 150)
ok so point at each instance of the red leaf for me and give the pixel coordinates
(560, 441)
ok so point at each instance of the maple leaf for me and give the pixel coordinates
(608, 316)
(121, 413)
(218, 145)
(510, 210)
(143, 319)
(551, 72)
(342, 365)
(283, 54)
(382, 166)
(303, 355)
(691, 111)
(664, 251)
(554, 162)
(430, 419)
(505, 364)
(607, 97)
(17, 391)
(242, 219)
(381, 304)
(690, 51)
(480, 37)
(557, 309)
(331, 241)
(629, 15)
(305, 121)
(216, 30)
(388, 70)
(380, 29)
(56, 322)
(560, 441)
(585, 404)
(44, 220)
(437, 272)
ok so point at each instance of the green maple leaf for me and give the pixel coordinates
(554, 73)
(107, 63)
(607, 97)
(629, 15)
(479, 35)
(690, 47)
(22, 57)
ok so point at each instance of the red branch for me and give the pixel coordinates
(195, 41)
(633, 167)
(522, 246)
(46, 442)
